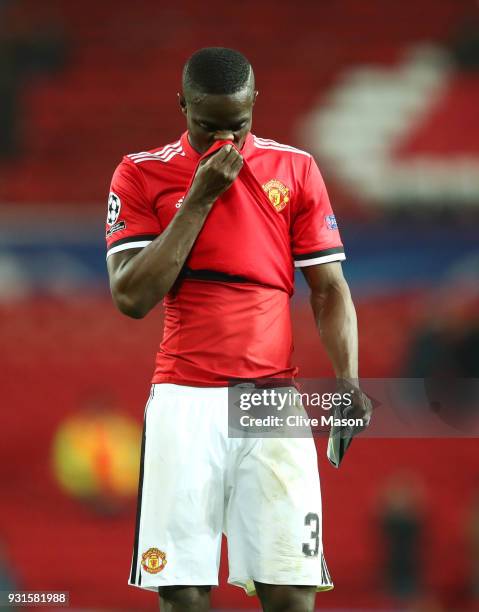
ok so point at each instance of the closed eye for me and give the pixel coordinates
(209, 127)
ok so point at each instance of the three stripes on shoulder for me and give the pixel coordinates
(168, 152)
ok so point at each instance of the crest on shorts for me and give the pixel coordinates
(153, 560)
(114, 206)
(277, 193)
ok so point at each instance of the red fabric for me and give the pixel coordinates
(216, 330)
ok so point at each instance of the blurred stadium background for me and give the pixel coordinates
(386, 95)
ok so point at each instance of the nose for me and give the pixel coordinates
(224, 135)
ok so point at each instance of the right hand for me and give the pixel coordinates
(217, 173)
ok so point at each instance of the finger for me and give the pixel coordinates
(353, 414)
(362, 421)
(235, 169)
(237, 163)
(222, 157)
(233, 164)
(228, 149)
(232, 154)
(358, 410)
(218, 156)
(222, 153)
(211, 160)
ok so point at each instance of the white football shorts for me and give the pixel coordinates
(196, 482)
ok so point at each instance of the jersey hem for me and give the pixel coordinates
(158, 380)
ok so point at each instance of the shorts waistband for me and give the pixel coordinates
(184, 390)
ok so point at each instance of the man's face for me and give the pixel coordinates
(218, 117)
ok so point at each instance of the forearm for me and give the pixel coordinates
(140, 279)
(336, 320)
(143, 280)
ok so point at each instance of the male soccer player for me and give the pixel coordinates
(213, 224)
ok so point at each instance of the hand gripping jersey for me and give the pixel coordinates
(227, 316)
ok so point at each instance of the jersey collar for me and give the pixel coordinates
(193, 154)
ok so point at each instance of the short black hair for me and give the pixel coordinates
(216, 70)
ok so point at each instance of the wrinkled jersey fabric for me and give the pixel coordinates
(227, 316)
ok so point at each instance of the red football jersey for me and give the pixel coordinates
(227, 316)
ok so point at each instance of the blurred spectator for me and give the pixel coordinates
(30, 44)
(447, 344)
(444, 352)
(401, 525)
(465, 44)
(446, 348)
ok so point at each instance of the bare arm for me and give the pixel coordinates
(335, 316)
(336, 320)
(140, 279)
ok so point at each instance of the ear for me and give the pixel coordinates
(255, 96)
(182, 102)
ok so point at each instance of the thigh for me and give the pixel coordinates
(274, 516)
(275, 598)
(184, 598)
(180, 502)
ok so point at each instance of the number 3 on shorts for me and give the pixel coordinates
(312, 520)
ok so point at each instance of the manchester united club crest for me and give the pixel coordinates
(153, 560)
(277, 193)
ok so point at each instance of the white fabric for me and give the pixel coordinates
(198, 482)
(138, 244)
(303, 263)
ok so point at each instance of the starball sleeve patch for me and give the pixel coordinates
(114, 207)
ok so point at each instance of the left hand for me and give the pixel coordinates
(361, 406)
